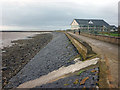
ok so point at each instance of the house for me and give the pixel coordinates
(90, 25)
(113, 28)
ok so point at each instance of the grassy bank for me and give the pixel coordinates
(116, 34)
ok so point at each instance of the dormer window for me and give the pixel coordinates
(90, 22)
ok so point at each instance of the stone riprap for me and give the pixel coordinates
(61, 72)
(54, 55)
(20, 52)
(86, 79)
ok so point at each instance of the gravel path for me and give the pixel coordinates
(54, 55)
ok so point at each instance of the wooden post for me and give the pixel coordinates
(103, 28)
(94, 28)
(88, 28)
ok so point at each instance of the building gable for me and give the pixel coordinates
(74, 22)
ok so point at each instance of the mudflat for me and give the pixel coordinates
(15, 57)
(7, 37)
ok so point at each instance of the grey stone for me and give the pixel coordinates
(50, 58)
(4, 68)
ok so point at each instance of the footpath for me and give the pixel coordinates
(107, 52)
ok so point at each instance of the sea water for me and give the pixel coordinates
(7, 37)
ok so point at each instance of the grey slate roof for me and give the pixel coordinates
(96, 22)
(113, 27)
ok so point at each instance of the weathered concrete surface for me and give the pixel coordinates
(75, 80)
(107, 51)
(80, 47)
(83, 48)
(58, 73)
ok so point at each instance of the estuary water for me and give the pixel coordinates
(7, 37)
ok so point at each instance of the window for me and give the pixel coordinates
(90, 22)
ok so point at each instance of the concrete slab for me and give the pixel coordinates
(59, 73)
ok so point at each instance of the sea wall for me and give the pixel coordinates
(83, 48)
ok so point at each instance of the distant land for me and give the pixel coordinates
(31, 30)
(27, 31)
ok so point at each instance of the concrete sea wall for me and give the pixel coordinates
(83, 48)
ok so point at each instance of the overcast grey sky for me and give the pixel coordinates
(55, 14)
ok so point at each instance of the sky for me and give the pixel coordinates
(54, 14)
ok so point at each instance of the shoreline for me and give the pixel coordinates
(8, 37)
(27, 31)
(15, 57)
(57, 53)
(51, 58)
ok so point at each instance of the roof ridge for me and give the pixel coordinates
(88, 19)
(95, 22)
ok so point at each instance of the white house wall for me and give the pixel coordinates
(74, 25)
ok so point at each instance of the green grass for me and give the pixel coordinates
(110, 34)
(80, 72)
(113, 34)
